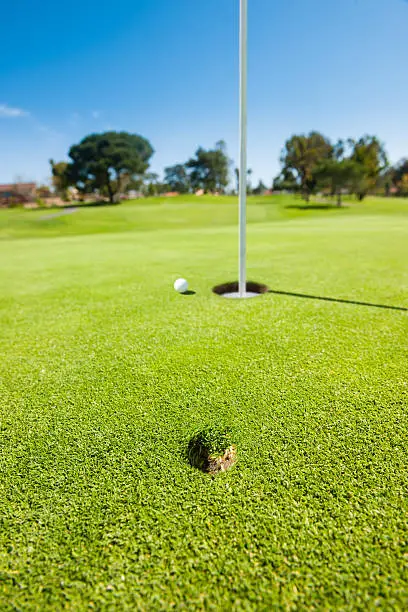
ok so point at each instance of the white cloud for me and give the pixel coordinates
(10, 111)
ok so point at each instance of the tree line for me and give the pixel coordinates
(312, 163)
(115, 163)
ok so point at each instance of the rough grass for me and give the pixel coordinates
(106, 373)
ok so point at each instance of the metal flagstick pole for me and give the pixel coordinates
(243, 144)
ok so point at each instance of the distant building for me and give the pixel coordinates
(17, 193)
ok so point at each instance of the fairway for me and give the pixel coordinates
(106, 373)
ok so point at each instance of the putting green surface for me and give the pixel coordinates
(106, 373)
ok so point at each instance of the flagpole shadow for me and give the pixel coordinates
(338, 300)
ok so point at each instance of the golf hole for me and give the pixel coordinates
(231, 290)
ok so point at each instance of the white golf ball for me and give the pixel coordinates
(181, 285)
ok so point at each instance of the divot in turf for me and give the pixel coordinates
(212, 450)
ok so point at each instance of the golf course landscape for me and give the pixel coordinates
(106, 374)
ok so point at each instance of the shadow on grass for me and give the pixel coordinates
(189, 292)
(95, 204)
(316, 207)
(340, 301)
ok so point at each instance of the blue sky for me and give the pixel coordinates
(168, 69)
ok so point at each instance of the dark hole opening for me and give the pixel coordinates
(251, 287)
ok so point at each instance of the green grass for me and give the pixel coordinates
(180, 213)
(106, 373)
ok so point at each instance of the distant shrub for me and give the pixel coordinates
(13, 202)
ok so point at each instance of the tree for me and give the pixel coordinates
(260, 189)
(285, 181)
(300, 156)
(370, 154)
(151, 190)
(151, 186)
(60, 177)
(177, 178)
(135, 184)
(399, 170)
(43, 191)
(208, 170)
(338, 175)
(108, 162)
(403, 186)
(397, 177)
